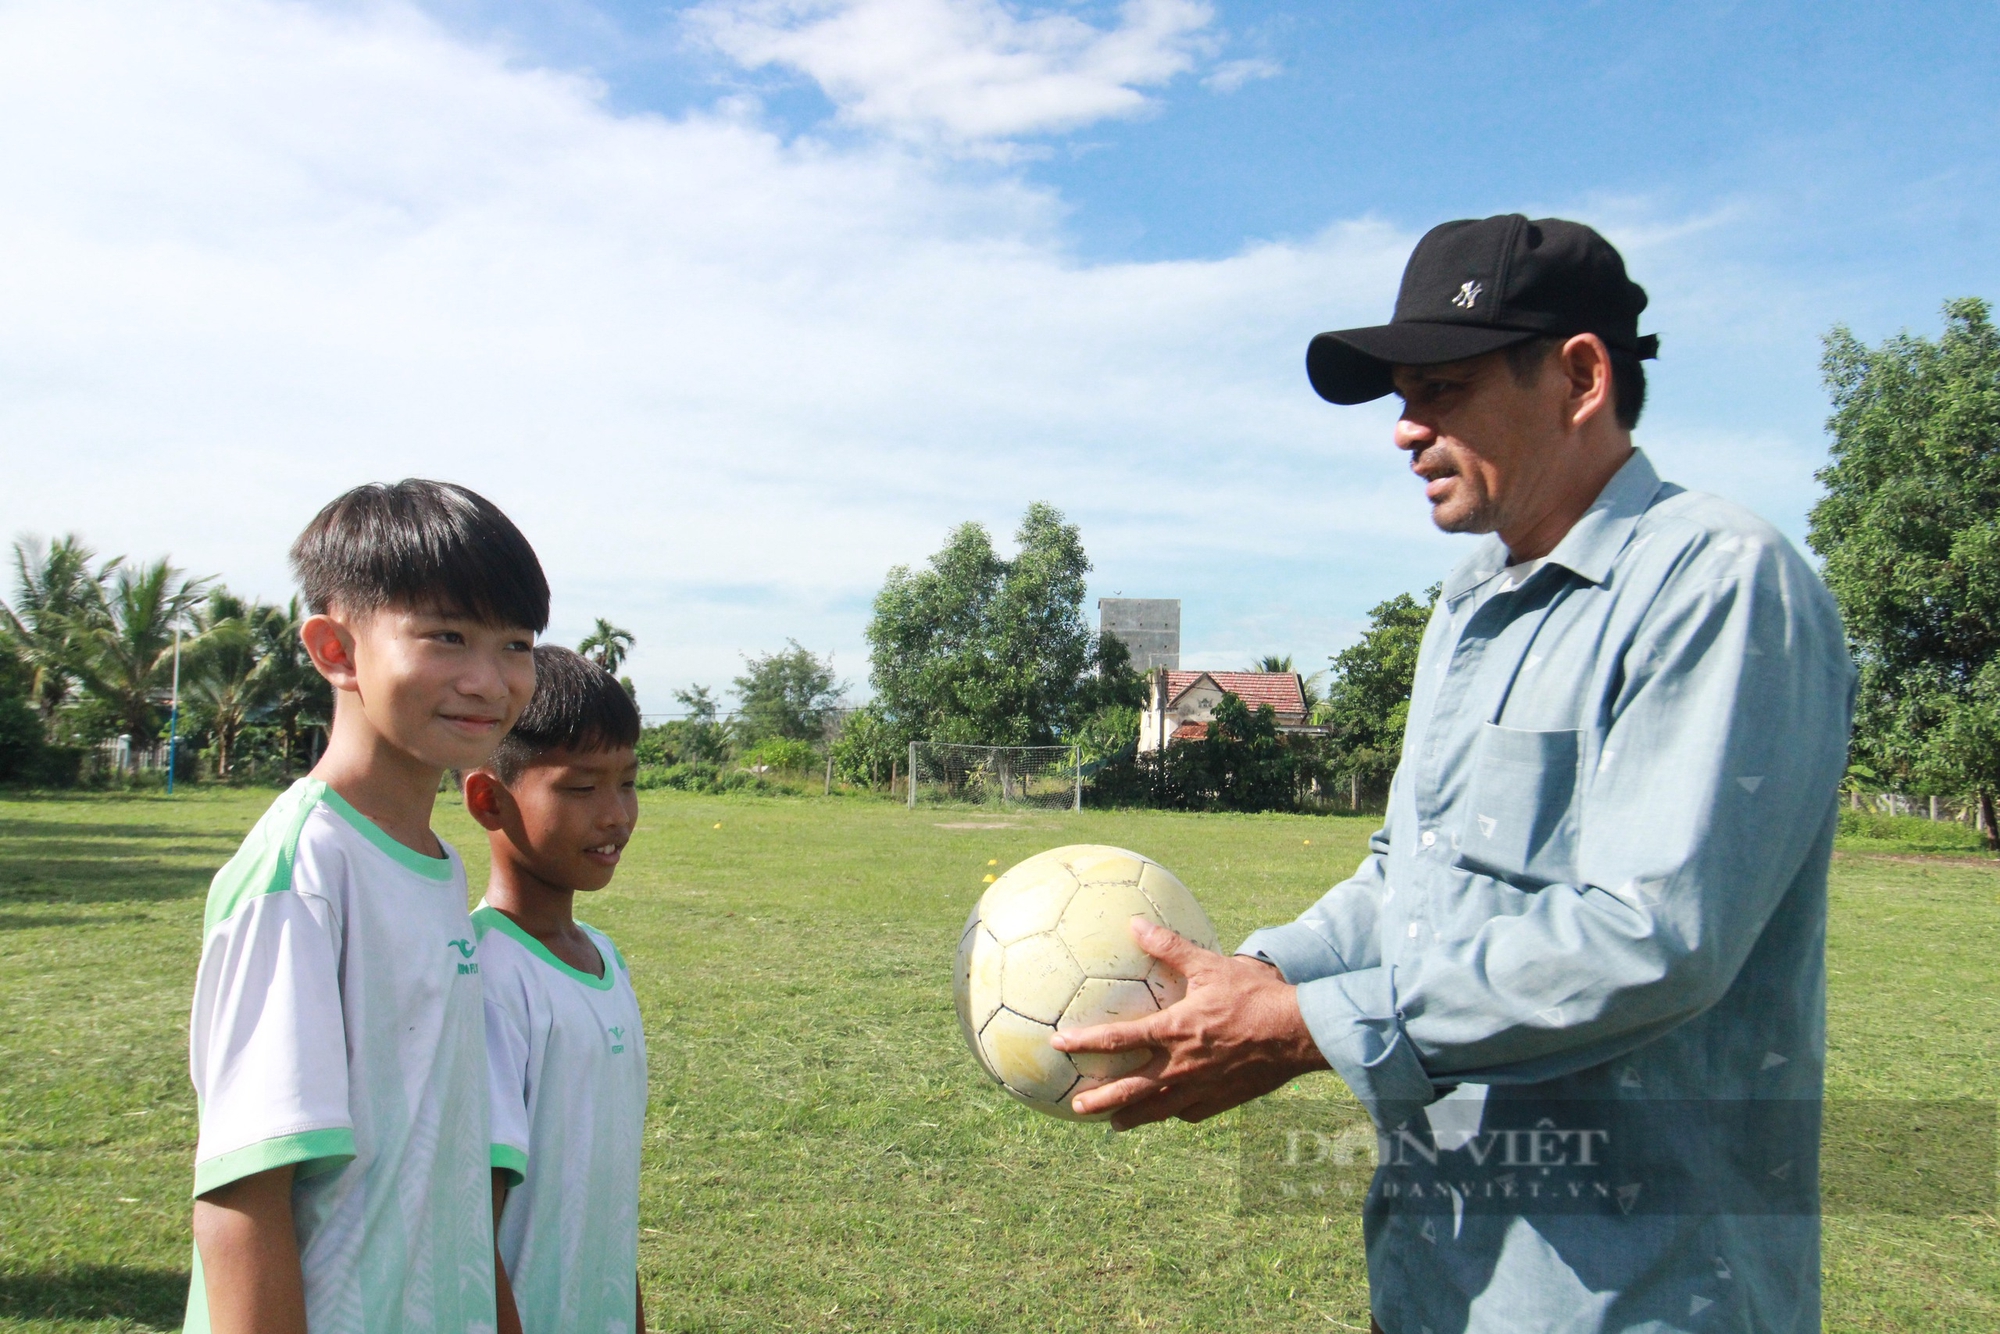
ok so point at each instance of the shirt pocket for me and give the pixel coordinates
(1521, 819)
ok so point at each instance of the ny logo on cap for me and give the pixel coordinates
(1468, 295)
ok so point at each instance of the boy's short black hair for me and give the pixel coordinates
(577, 706)
(421, 544)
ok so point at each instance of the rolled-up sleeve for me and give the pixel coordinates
(1707, 781)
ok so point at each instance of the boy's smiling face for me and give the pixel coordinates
(565, 819)
(442, 687)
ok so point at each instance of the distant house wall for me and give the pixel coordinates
(1181, 705)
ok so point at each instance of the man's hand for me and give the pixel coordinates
(1237, 1035)
(250, 1255)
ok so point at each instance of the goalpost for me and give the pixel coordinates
(1046, 777)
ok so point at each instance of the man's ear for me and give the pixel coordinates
(330, 645)
(487, 799)
(1586, 367)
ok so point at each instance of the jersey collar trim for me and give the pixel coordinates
(431, 868)
(486, 918)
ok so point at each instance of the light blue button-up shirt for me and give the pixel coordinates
(1602, 878)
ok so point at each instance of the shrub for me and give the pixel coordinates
(783, 754)
(1911, 831)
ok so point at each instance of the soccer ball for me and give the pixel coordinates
(1049, 946)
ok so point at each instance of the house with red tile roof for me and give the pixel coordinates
(1180, 705)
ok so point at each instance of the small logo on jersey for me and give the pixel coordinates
(464, 947)
(1468, 295)
(617, 1034)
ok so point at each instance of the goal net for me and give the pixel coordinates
(1049, 777)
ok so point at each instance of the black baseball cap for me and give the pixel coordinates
(1477, 286)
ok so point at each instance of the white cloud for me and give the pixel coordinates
(259, 252)
(1233, 74)
(964, 71)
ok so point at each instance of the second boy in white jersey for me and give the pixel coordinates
(564, 1047)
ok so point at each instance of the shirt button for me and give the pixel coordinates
(1430, 837)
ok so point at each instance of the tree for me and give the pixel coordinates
(987, 651)
(219, 670)
(866, 750)
(607, 645)
(1368, 697)
(1242, 763)
(58, 598)
(288, 683)
(1910, 532)
(702, 736)
(790, 694)
(126, 658)
(22, 740)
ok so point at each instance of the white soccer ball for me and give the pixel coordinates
(1049, 946)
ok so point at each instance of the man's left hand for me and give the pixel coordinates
(1237, 1035)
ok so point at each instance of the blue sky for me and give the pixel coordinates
(736, 304)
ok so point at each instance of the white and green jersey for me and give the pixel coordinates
(337, 1025)
(568, 1067)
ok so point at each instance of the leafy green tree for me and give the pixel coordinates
(607, 645)
(1368, 696)
(22, 741)
(126, 659)
(1243, 764)
(977, 649)
(291, 688)
(1910, 532)
(867, 749)
(702, 737)
(791, 695)
(58, 599)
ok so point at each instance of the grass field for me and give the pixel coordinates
(822, 1153)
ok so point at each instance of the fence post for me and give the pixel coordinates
(1076, 755)
(829, 773)
(913, 775)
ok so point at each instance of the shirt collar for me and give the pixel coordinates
(1592, 542)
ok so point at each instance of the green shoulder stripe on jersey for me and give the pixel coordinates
(487, 918)
(315, 1151)
(506, 1158)
(263, 865)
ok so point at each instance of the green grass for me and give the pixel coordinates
(822, 1154)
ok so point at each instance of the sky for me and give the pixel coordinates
(734, 305)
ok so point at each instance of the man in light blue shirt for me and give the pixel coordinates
(1597, 905)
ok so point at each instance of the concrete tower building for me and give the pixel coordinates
(1150, 629)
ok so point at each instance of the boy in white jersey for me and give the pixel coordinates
(337, 1042)
(566, 1055)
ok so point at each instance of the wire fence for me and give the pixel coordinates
(1044, 777)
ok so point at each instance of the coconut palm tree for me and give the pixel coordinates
(607, 645)
(57, 598)
(127, 655)
(288, 682)
(220, 670)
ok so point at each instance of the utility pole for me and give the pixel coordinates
(174, 712)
